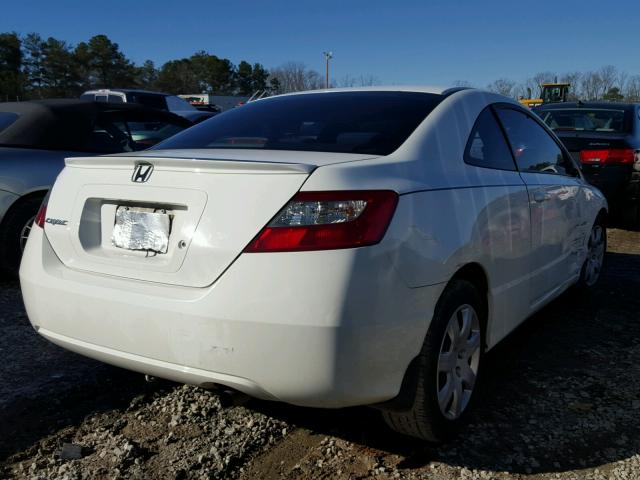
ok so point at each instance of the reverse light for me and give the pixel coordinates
(328, 220)
(619, 156)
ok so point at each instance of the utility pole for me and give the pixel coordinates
(327, 56)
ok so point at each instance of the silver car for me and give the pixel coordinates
(36, 137)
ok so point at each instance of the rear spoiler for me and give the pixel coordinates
(201, 165)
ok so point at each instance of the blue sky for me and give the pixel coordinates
(401, 42)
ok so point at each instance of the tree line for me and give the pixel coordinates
(606, 83)
(33, 67)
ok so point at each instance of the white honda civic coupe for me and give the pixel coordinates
(326, 249)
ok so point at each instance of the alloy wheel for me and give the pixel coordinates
(458, 362)
(24, 233)
(595, 255)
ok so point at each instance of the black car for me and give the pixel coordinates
(36, 137)
(157, 100)
(605, 139)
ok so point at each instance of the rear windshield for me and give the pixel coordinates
(586, 119)
(374, 123)
(6, 119)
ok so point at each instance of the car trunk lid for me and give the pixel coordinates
(216, 207)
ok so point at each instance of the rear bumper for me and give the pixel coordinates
(340, 336)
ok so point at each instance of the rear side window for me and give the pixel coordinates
(6, 119)
(375, 123)
(487, 146)
(586, 120)
(533, 148)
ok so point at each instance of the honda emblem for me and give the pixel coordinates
(142, 173)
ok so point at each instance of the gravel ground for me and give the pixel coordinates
(561, 401)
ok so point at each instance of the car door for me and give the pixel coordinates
(503, 226)
(553, 183)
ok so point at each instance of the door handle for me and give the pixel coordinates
(540, 197)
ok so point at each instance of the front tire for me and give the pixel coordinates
(596, 248)
(448, 367)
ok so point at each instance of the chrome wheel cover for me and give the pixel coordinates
(595, 255)
(24, 233)
(458, 362)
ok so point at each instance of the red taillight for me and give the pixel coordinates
(42, 213)
(328, 220)
(613, 156)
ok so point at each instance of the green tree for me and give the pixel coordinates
(102, 64)
(214, 75)
(177, 76)
(259, 77)
(33, 64)
(244, 78)
(11, 86)
(251, 78)
(147, 75)
(59, 73)
(274, 85)
(613, 95)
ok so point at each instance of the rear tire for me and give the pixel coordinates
(596, 249)
(446, 384)
(17, 222)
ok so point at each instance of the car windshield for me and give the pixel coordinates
(585, 119)
(375, 123)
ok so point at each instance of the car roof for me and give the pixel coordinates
(609, 105)
(59, 124)
(437, 90)
(127, 90)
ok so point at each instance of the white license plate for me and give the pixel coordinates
(139, 228)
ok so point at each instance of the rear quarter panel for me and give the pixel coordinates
(444, 230)
(450, 213)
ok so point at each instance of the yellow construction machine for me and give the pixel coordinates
(549, 92)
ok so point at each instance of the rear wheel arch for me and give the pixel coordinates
(418, 409)
(475, 274)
